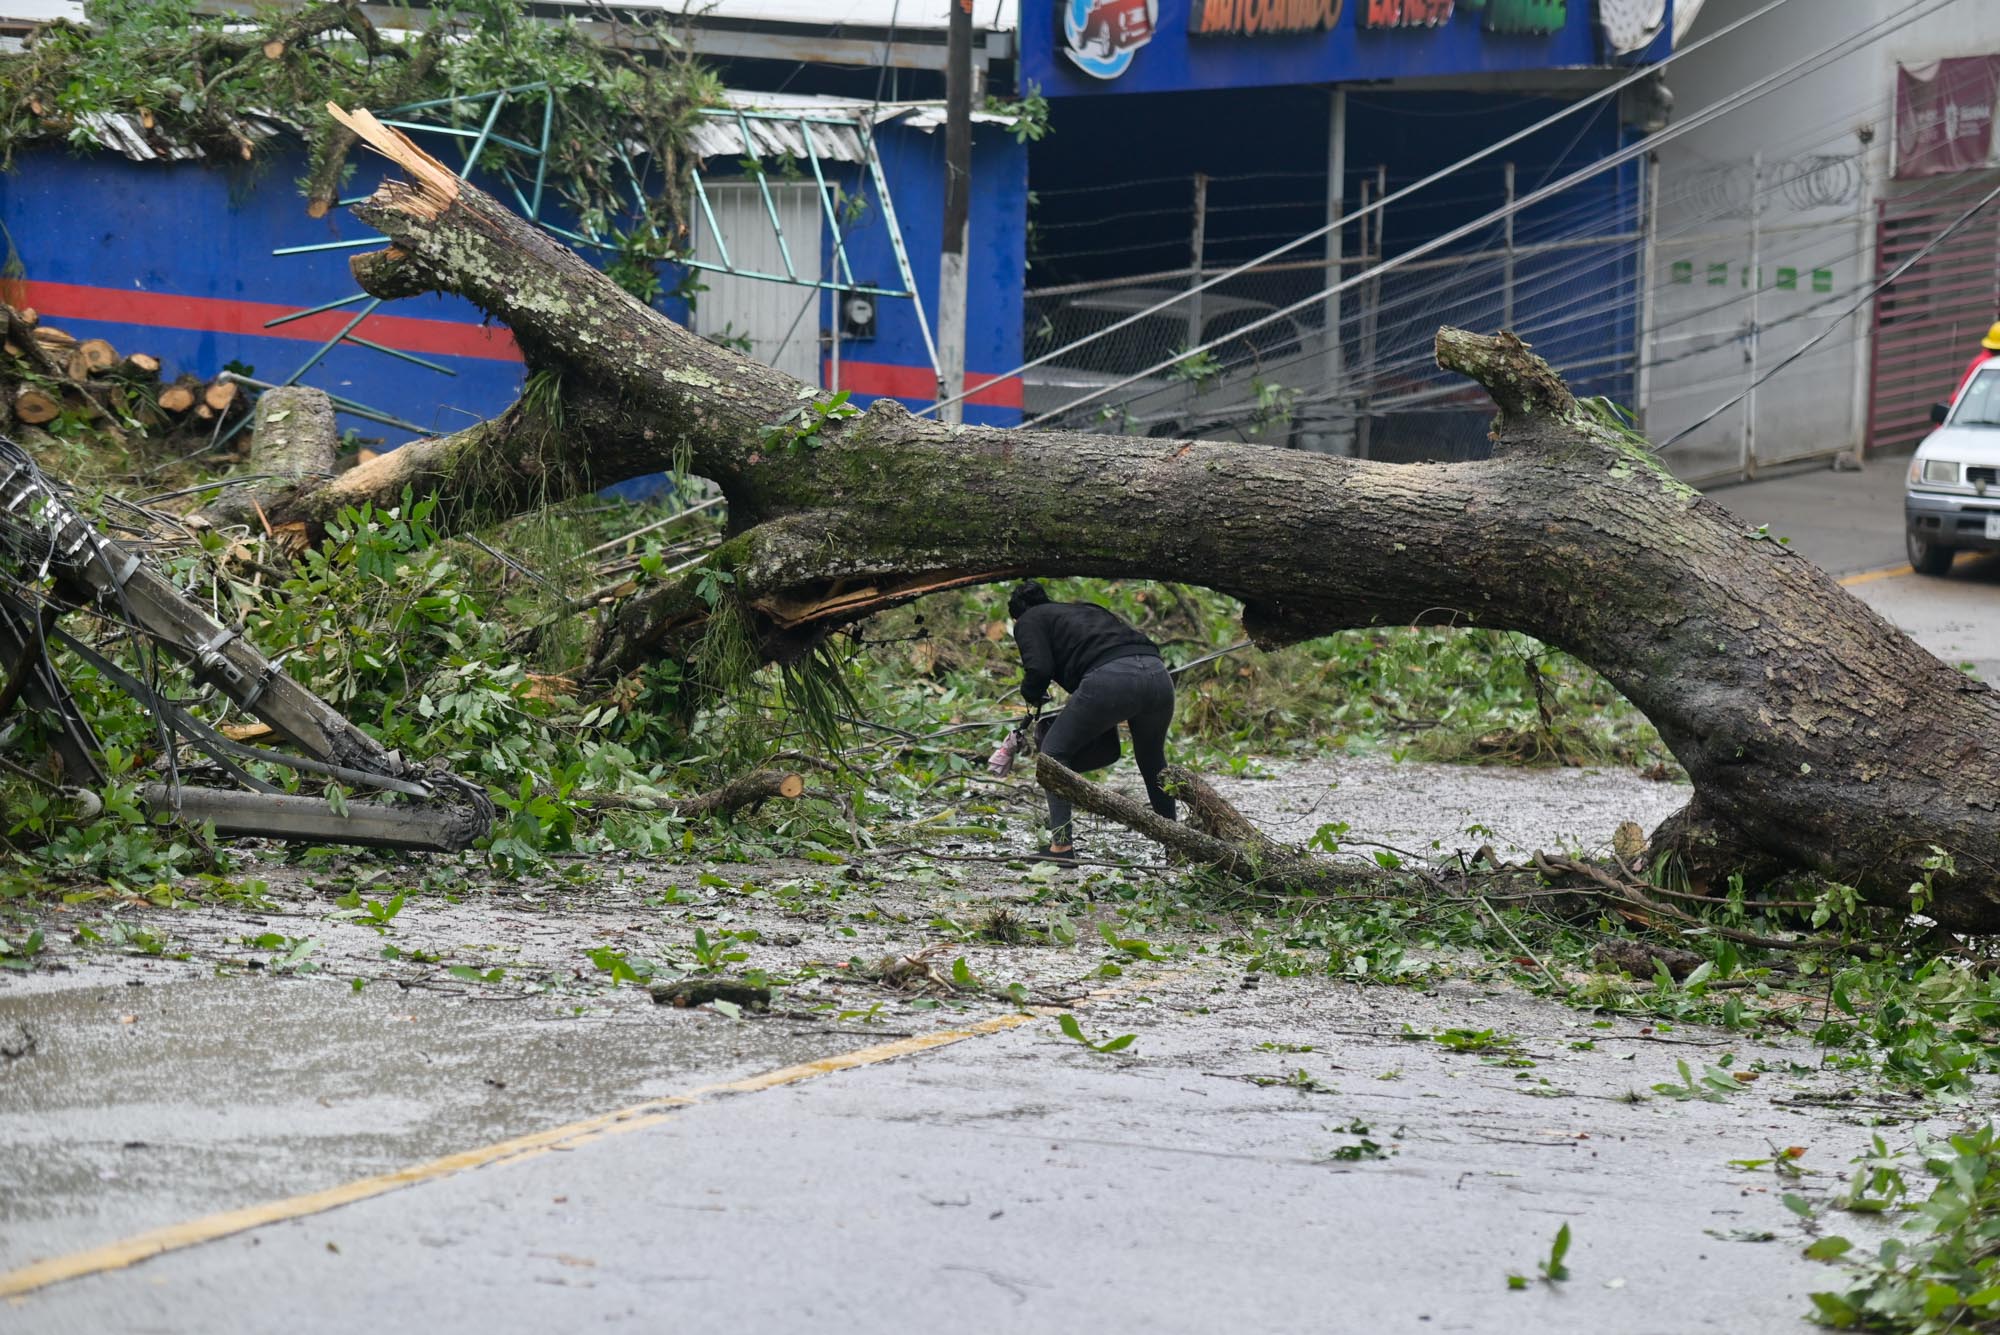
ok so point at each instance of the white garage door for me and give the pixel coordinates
(781, 320)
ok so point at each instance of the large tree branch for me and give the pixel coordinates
(1813, 731)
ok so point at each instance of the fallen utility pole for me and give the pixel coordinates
(62, 563)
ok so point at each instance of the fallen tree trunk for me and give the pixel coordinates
(1817, 736)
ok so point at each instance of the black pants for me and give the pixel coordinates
(1136, 691)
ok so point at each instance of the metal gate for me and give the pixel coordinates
(1929, 323)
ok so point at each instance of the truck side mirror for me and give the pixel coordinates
(1939, 411)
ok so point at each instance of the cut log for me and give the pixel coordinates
(35, 406)
(1813, 732)
(181, 395)
(221, 394)
(75, 363)
(29, 316)
(98, 355)
(49, 336)
(140, 366)
(1219, 838)
(292, 438)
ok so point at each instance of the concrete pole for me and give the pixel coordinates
(1333, 372)
(957, 209)
(1648, 289)
(1199, 251)
(1507, 259)
(1756, 292)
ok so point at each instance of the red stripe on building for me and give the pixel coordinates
(880, 379)
(163, 310)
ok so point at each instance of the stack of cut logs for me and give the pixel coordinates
(47, 371)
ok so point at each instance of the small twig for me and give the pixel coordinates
(1501, 923)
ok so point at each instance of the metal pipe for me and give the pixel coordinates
(1197, 253)
(1333, 371)
(826, 201)
(764, 189)
(896, 243)
(318, 246)
(1648, 293)
(542, 154)
(721, 247)
(317, 310)
(410, 357)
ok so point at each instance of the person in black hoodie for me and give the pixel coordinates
(1113, 675)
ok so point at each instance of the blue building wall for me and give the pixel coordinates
(175, 259)
(895, 363)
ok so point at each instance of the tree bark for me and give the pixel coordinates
(1816, 734)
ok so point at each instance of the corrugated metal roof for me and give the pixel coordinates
(129, 136)
(720, 134)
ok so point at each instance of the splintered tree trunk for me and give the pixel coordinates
(1817, 736)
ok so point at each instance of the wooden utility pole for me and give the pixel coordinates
(957, 210)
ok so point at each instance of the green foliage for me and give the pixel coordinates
(1713, 1086)
(1941, 1271)
(801, 429)
(1030, 113)
(193, 77)
(621, 967)
(1073, 1030)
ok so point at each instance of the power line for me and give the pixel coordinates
(1770, 83)
(1376, 206)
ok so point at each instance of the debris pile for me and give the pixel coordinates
(49, 376)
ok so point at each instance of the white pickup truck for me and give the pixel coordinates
(1952, 501)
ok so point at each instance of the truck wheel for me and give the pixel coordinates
(1927, 557)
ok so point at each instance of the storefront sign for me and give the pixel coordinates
(1072, 47)
(1405, 13)
(1252, 18)
(1495, 15)
(1944, 115)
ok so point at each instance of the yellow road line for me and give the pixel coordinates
(1870, 576)
(192, 1232)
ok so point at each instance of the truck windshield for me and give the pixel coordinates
(1980, 404)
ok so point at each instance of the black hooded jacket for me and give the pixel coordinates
(1061, 642)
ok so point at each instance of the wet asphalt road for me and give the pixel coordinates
(1015, 1179)
(1281, 1157)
